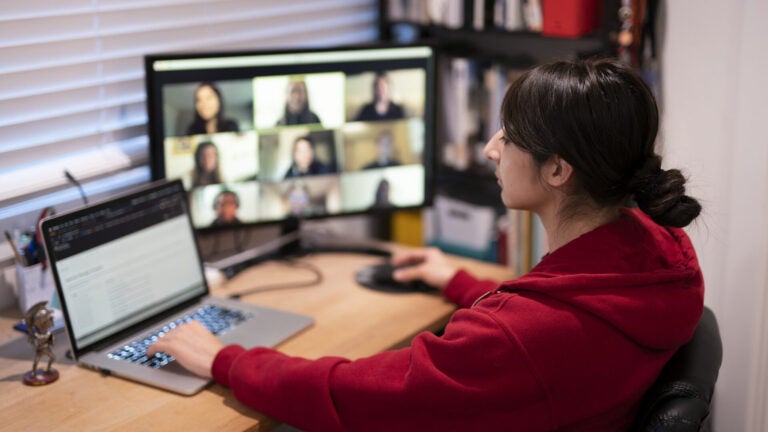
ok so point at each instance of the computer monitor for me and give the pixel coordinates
(269, 136)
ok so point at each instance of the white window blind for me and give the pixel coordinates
(72, 90)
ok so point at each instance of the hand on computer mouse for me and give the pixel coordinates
(428, 265)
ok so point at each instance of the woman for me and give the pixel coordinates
(572, 345)
(209, 112)
(385, 152)
(381, 107)
(304, 162)
(381, 197)
(297, 105)
(206, 170)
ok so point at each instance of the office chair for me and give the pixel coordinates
(679, 399)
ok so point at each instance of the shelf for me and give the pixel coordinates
(515, 48)
(518, 47)
(490, 47)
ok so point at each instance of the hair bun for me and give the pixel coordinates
(661, 194)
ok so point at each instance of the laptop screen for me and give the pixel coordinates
(123, 261)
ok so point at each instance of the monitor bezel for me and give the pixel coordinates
(153, 86)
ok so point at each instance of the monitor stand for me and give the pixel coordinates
(293, 242)
(309, 242)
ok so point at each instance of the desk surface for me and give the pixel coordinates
(351, 321)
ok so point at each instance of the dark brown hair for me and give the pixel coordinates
(198, 124)
(200, 177)
(600, 117)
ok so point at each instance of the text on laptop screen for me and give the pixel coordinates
(264, 136)
(125, 261)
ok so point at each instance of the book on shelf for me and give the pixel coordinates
(478, 15)
(461, 228)
(539, 245)
(446, 13)
(472, 93)
(413, 11)
(532, 15)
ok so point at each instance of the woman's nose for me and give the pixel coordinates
(491, 151)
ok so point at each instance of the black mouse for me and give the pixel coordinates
(380, 277)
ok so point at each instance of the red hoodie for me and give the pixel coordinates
(572, 345)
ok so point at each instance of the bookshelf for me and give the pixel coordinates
(481, 53)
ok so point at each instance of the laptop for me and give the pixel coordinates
(128, 270)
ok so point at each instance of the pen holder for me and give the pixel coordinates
(34, 284)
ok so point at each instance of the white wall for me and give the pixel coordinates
(714, 106)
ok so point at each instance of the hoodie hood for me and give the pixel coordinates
(641, 278)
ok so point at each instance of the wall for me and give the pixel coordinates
(713, 100)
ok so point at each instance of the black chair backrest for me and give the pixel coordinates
(679, 400)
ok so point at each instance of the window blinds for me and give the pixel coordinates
(72, 80)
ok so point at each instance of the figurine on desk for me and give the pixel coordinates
(39, 321)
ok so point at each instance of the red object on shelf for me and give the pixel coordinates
(569, 18)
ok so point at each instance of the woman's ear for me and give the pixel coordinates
(556, 171)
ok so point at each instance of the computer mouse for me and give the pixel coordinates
(380, 277)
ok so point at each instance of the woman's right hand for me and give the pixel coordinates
(428, 265)
(193, 345)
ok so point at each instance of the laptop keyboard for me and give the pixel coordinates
(216, 319)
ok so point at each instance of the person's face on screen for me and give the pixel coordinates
(226, 207)
(297, 96)
(385, 147)
(207, 102)
(303, 154)
(298, 199)
(517, 174)
(209, 160)
(381, 89)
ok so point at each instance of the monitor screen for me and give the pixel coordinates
(260, 137)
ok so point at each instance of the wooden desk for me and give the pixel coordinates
(351, 321)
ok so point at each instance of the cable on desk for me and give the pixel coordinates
(285, 285)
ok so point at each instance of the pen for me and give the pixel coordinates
(16, 253)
